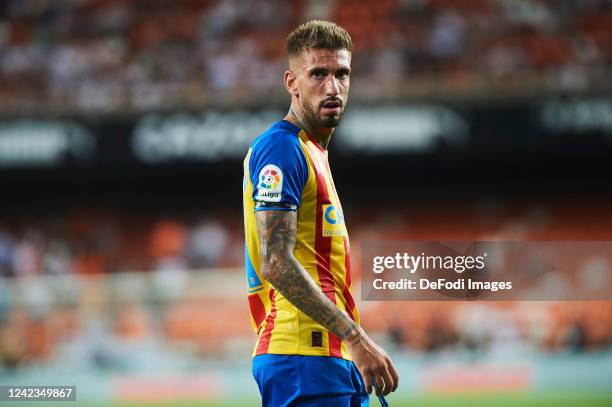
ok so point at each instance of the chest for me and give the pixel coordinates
(320, 201)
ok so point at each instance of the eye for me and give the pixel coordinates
(342, 74)
(319, 74)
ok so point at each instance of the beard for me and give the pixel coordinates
(326, 121)
(331, 120)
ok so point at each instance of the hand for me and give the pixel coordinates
(373, 362)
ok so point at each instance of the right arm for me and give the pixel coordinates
(277, 233)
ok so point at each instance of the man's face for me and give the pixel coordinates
(322, 84)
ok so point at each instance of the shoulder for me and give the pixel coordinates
(278, 166)
(281, 133)
(280, 140)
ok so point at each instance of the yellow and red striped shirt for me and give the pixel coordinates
(286, 167)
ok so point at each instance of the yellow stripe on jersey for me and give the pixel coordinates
(321, 248)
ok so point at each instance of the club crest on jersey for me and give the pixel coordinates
(333, 221)
(270, 184)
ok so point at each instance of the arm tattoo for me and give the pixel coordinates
(277, 231)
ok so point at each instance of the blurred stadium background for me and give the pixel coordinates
(123, 124)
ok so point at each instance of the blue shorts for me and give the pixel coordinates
(313, 381)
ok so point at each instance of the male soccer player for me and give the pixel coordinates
(311, 350)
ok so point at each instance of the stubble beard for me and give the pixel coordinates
(327, 121)
(331, 121)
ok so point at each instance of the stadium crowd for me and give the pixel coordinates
(122, 55)
(132, 335)
(98, 242)
(88, 325)
(89, 242)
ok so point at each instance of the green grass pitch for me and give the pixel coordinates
(477, 400)
(497, 400)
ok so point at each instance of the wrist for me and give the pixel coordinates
(355, 336)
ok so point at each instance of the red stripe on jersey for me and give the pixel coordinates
(264, 340)
(323, 245)
(314, 143)
(335, 344)
(348, 298)
(258, 310)
(346, 293)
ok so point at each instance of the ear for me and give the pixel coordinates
(291, 83)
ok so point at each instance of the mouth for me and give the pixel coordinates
(332, 106)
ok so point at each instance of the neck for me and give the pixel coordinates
(321, 135)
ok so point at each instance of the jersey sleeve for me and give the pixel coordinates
(278, 171)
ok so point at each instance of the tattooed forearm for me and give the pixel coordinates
(277, 231)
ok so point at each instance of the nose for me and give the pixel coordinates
(332, 87)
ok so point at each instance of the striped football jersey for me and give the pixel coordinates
(286, 167)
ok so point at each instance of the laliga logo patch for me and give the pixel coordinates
(270, 184)
(270, 179)
(333, 221)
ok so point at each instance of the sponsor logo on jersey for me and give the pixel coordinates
(333, 221)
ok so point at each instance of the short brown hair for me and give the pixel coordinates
(317, 34)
